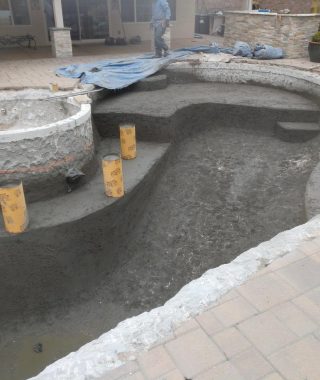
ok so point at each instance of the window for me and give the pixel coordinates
(20, 12)
(127, 10)
(173, 7)
(14, 12)
(143, 10)
(5, 13)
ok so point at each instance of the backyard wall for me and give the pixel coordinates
(295, 6)
(291, 32)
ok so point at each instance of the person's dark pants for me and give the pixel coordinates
(159, 43)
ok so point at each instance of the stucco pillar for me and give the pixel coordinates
(60, 36)
(58, 15)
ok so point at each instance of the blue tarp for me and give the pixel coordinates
(267, 52)
(115, 74)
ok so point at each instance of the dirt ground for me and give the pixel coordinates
(222, 191)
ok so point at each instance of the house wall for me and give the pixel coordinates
(183, 27)
(295, 6)
(37, 27)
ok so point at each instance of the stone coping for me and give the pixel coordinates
(283, 77)
(82, 114)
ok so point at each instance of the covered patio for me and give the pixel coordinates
(64, 24)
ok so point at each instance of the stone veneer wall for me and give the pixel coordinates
(291, 32)
(61, 43)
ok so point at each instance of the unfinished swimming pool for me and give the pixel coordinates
(215, 176)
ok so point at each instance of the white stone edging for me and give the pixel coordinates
(82, 116)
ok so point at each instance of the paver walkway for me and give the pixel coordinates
(266, 329)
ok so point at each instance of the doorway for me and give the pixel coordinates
(88, 19)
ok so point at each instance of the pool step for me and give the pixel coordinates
(297, 131)
(152, 83)
(90, 199)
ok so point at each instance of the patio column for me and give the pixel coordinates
(60, 36)
(58, 15)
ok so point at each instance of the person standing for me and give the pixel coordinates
(161, 15)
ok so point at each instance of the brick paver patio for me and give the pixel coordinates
(266, 329)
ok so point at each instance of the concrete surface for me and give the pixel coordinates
(171, 112)
(297, 132)
(166, 102)
(153, 83)
(26, 114)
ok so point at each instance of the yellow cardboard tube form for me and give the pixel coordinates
(128, 141)
(113, 176)
(14, 209)
(54, 87)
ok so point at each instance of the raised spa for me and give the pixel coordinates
(41, 140)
